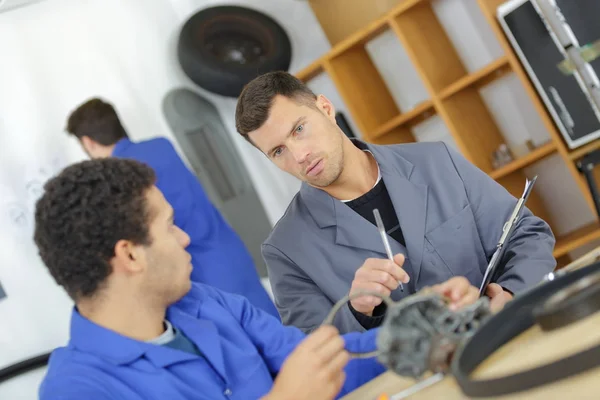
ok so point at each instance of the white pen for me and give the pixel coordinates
(384, 238)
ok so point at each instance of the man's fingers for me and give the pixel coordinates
(382, 277)
(338, 362)
(330, 349)
(319, 337)
(469, 297)
(493, 289)
(394, 270)
(454, 288)
(374, 287)
(399, 259)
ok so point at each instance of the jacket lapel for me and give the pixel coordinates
(410, 203)
(352, 230)
(204, 335)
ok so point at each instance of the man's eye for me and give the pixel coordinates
(300, 128)
(277, 152)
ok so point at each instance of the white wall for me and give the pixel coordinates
(58, 53)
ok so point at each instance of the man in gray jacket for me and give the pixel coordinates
(443, 215)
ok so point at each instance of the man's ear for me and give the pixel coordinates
(326, 107)
(129, 258)
(88, 144)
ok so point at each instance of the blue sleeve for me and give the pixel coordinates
(273, 340)
(73, 388)
(528, 255)
(361, 370)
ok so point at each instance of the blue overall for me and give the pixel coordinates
(241, 348)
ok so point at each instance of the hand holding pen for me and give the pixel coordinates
(377, 275)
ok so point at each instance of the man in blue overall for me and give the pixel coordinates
(141, 330)
(219, 256)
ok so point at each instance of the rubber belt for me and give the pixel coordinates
(516, 317)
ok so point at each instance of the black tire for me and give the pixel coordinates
(223, 48)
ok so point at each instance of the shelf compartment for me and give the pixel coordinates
(420, 112)
(468, 30)
(577, 238)
(359, 38)
(323, 84)
(390, 57)
(310, 72)
(522, 162)
(399, 134)
(362, 88)
(479, 78)
(474, 128)
(426, 42)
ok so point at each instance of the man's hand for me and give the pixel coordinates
(379, 276)
(460, 292)
(314, 370)
(498, 296)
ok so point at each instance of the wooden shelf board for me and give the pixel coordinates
(308, 73)
(577, 238)
(500, 65)
(424, 107)
(582, 151)
(361, 37)
(524, 161)
(404, 6)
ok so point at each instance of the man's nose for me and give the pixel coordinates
(184, 238)
(300, 153)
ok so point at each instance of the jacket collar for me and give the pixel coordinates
(113, 347)
(408, 195)
(121, 146)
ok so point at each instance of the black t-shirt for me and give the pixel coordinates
(379, 198)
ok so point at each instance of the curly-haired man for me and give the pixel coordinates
(140, 329)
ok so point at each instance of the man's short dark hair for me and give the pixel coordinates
(84, 212)
(97, 120)
(255, 101)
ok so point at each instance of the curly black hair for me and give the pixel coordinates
(84, 212)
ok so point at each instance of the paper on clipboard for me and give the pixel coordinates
(507, 231)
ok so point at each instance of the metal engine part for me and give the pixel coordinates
(420, 333)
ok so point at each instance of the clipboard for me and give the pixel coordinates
(507, 231)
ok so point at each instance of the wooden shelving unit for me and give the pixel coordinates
(453, 96)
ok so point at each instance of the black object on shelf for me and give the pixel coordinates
(586, 166)
(343, 124)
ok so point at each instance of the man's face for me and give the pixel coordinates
(168, 264)
(303, 141)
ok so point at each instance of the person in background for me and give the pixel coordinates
(141, 330)
(219, 256)
(443, 216)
